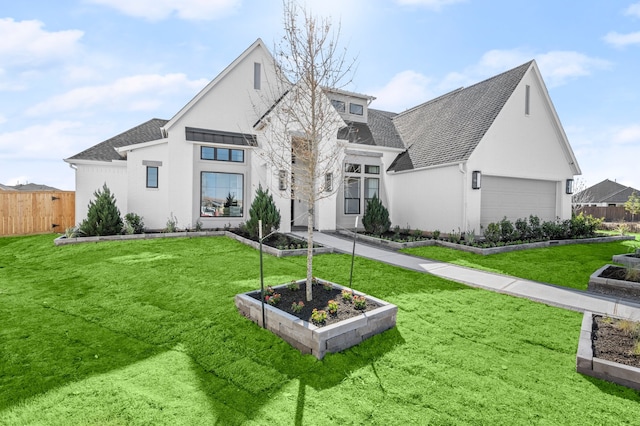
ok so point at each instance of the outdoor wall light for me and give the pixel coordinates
(569, 186)
(476, 177)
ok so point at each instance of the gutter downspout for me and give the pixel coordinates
(463, 169)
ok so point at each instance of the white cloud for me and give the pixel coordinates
(41, 141)
(405, 90)
(621, 40)
(557, 67)
(156, 10)
(135, 93)
(627, 135)
(430, 4)
(25, 43)
(633, 10)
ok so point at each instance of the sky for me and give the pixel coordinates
(74, 73)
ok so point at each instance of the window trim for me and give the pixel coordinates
(339, 105)
(157, 176)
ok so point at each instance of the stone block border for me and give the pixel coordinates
(318, 341)
(599, 368)
(482, 251)
(611, 287)
(62, 240)
(629, 260)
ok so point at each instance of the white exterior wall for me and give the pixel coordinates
(428, 199)
(150, 203)
(91, 177)
(523, 146)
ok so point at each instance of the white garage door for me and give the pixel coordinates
(516, 198)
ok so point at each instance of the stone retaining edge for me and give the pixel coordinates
(599, 368)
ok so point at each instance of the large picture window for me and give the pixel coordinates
(221, 194)
(352, 195)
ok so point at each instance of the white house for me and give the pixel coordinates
(457, 162)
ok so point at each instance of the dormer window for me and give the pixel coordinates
(356, 109)
(338, 105)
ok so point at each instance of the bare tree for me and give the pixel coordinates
(300, 142)
(582, 196)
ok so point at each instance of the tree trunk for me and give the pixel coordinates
(310, 251)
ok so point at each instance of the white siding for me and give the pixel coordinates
(90, 178)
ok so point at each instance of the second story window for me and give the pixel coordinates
(356, 109)
(338, 105)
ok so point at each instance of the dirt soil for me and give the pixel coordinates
(320, 300)
(615, 340)
(621, 273)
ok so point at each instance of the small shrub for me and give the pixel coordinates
(470, 236)
(269, 291)
(436, 234)
(492, 233)
(347, 294)
(522, 228)
(297, 307)
(535, 229)
(133, 224)
(455, 237)
(198, 226)
(318, 317)
(172, 224)
(263, 208)
(507, 231)
(622, 229)
(72, 232)
(103, 216)
(359, 302)
(376, 217)
(327, 285)
(332, 307)
(293, 285)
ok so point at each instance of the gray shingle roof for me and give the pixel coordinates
(447, 129)
(379, 131)
(607, 191)
(106, 151)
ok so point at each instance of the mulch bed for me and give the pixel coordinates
(320, 300)
(621, 273)
(615, 340)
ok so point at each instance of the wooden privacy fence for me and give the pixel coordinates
(610, 214)
(36, 212)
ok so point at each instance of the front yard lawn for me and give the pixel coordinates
(146, 332)
(567, 266)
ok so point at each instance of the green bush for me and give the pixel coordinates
(376, 217)
(492, 232)
(103, 217)
(133, 224)
(263, 208)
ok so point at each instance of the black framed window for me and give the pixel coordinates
(372, 170)
(352, 168)
(371, 189)
(221, 154)
(221, 194)
(338, 105)
(152, 177)
(356, 109)
(352, 195)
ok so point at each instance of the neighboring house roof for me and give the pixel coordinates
(447, 129)
(28, 187)
(607, 191)
(106, 151)
(6, 188)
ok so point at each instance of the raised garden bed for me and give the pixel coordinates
(631, 260)
(348, 328)
(616, 281)
(274, 251)
(479, 250)
(597, 343)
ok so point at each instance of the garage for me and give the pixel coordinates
(516, 198)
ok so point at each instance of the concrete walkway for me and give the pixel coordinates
(549, 294)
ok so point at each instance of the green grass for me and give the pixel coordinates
(146, 332)
(567, 266)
